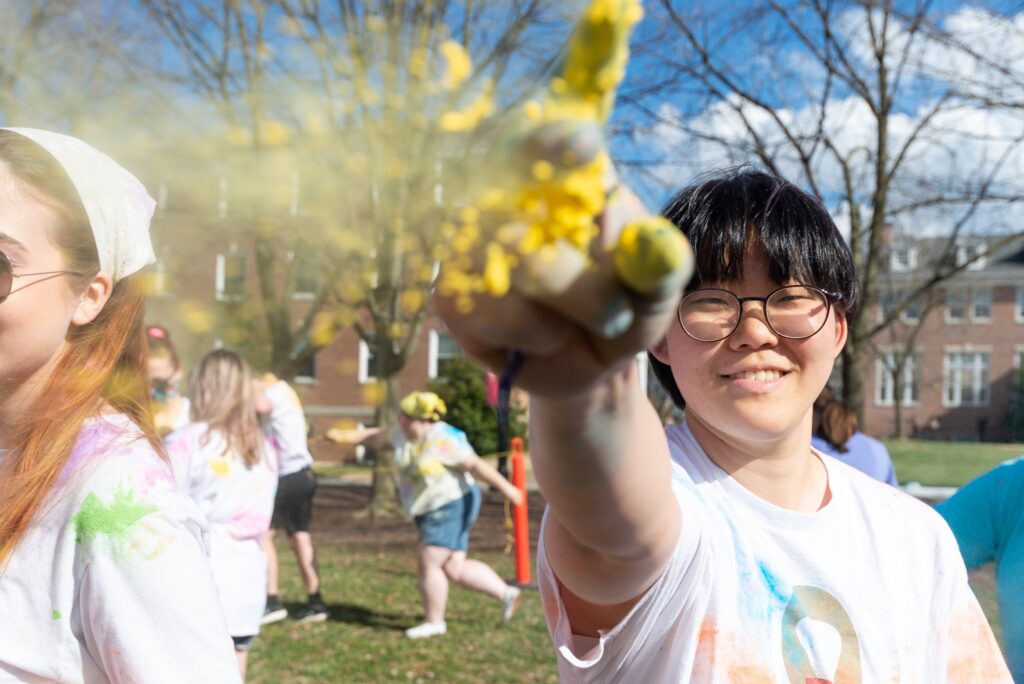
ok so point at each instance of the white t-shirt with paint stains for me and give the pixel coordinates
(429, 473)
(869, 589)
(286, 428)
(112, 582)
(238, 502)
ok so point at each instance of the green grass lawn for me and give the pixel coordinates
(373, 598)
(947, 463)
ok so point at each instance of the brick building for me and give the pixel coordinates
(962, 350)
(204, 289)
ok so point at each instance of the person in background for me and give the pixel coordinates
(224, 462)
(104, 566)
(436, 469)
(987, 517)
(170, 407)
(285, 426)
(838, 436)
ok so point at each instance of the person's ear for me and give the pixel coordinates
(660, 350)
(841, 331)
(93, 299)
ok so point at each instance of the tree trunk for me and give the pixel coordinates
(897, 398)
(853, 362)
(384, 499)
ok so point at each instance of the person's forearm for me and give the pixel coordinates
(602, 462)
(483, 470)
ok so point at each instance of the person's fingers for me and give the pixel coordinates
(587, 293)
(511, 321)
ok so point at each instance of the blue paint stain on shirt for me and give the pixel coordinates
(773, 583)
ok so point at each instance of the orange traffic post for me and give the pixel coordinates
(520, 519)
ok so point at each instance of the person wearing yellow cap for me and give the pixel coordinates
(437, 471)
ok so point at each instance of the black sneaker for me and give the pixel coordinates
(311, 612)
(273, 612)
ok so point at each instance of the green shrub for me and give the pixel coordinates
(463, 386)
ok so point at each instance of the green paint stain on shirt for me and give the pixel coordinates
(95, 518)
(55, 615)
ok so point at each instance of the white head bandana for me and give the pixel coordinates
(117, 204)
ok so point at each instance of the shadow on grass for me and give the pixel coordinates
(354, 614)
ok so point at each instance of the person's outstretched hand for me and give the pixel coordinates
(573, 322)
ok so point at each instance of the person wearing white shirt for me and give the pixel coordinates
(104, 565)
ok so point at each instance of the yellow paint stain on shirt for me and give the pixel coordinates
(220, 467)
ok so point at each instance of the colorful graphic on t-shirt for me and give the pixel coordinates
(817, 604)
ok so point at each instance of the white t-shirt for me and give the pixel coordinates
(285, 427)
(428, 470)
(112, 582)
(871, 588)
(238, 502)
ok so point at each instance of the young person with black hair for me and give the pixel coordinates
(723, 549)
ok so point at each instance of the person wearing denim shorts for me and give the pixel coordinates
(436, 469)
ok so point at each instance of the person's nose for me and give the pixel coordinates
(753, 331)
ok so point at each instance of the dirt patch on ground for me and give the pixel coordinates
(339, 517)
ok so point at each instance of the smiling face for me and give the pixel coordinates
(35, 318)
(753, 386)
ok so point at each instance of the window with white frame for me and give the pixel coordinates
(306, 373)
(956, 306)
(231, 274)
(981, 305)
(1019, 308)
(367, 363)
(885, 379)
(903, 258)
(965, 378)
(442, 348)
(975, 254)
(912, 312)
(890, 300)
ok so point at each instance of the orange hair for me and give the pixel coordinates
(104, 363)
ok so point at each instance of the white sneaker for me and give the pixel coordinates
(427, 629)
(510, 603)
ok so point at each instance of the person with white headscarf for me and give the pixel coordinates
(104, 571)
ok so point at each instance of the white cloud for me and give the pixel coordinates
(954, 153)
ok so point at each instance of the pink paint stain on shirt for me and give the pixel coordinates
(155, 475)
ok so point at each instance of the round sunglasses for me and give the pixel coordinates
(7, 276)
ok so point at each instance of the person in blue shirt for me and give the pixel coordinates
(987, 517)
(837, 435)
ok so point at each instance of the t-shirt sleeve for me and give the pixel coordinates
(972, 516)
(972, 652)
(148, 606)
(650, 627)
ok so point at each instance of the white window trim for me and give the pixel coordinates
(881, 368)
(220, 278)
(433, 344)
(364, 364)
(981, 319)
(965, 349)
(946, 308)
(898, 267)
(308, 379)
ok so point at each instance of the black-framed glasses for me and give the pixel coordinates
(7, 276)
(795, 312)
